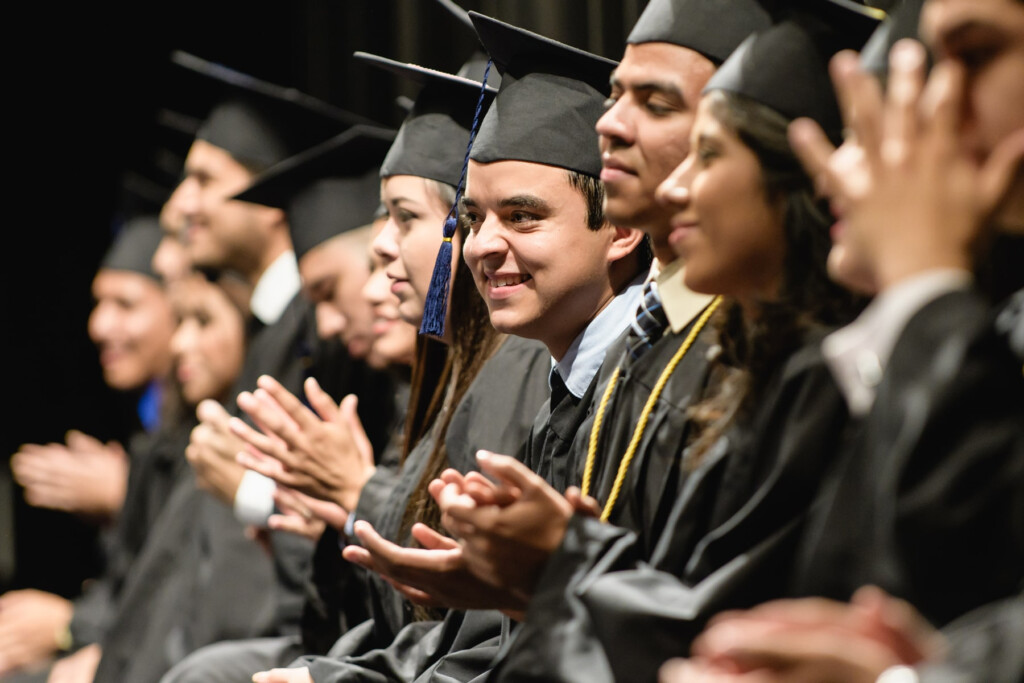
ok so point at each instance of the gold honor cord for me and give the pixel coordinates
(638, 432)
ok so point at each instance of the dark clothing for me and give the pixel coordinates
(607, 610)
(929, 503)
(495, 413)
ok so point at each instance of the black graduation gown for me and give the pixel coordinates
(158, 462)
(337, 591)
(605, 611)
(496, 413)
(202, 580)
(928, 503)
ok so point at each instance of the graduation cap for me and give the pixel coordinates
(327, 190)
(785, 66)
(713, 28)
(474, 67)
(550, 99)
(134, 246)
(902, 22)
(257, 122)
(432, 140)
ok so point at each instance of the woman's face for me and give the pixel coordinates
(409, 241)
(209, 342)
(729, 235)
(394, 340)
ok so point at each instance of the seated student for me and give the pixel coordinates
(335, 594)
(933, 495)
(207, 348)
(131, 324)
(748, 228)
(453, 399)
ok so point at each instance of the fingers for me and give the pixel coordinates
(431, 540)
(351, 419)
(211, 412)
(330, 512)
(860, 101)
(813, 149)
(283, 676)
(508, 470)
(77, 440)
(584, 505)
(258, 441)
(942, 106)
(321, 401)
(906, 82)
(285, 401)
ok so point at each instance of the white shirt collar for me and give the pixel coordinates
(681, 303)
(584, 357)
(858, 354)
(276, 288)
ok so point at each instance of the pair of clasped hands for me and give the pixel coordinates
(505, 520)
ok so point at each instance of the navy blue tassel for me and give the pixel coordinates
(435, 308)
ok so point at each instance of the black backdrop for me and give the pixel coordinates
(83, 84)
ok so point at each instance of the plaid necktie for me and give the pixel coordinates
(649, 324)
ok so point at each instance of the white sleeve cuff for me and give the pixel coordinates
(254, 500)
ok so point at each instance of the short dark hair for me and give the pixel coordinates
(592, 190)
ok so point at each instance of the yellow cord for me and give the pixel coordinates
(638, 432)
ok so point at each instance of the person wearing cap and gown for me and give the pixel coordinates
(329, 194)
(131, 323)
(583, 294)
(220, 584)
(728, 534)
(926, 502)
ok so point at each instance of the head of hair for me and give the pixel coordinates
(441, 376)
(752, 350)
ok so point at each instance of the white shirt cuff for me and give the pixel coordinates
(859, 353)
(254, 500)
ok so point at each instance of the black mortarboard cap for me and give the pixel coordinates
(550, 99)
(327, 190)
(901, 23)
(474, 67)
(713, 28)
(785, 66)
(134, 246)
(432, 140)
(260, 123)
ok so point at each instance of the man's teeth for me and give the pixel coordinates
(509, 280)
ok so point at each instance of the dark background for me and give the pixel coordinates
(83, 85)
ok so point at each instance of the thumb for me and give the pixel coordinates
(349, 406)
(321, 401)
(77, 440)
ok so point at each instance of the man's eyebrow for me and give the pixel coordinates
(468, 201)
(525, 201)
(654, 85)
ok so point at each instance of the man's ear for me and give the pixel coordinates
(624, 242)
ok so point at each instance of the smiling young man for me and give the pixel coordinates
(549, 267)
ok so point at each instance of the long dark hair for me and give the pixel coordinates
(751, 350)
(441, 376)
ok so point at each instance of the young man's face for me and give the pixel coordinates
(131, 325)
(333, 275)
(645, 132)
(541, 270)
(986, 38)
(220, 232)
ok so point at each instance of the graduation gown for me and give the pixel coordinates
(158, 463)
(928, 503)
(606, 610)
(496, 413)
